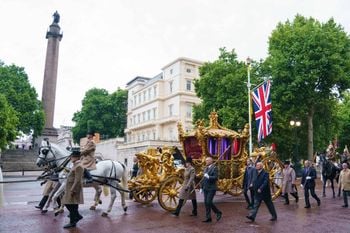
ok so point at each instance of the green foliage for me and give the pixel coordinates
(344, 119)
(8, 122)
(22, 97)
(309, 62)
(223, 87)
(101, 112)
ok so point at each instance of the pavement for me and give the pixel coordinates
(19, 215)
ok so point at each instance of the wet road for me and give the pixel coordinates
(19, 215)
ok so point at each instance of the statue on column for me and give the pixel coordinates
(56, 17)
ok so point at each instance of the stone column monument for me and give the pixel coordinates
(53, 37)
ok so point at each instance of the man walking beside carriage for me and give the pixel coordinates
(288, 184)
(262, 192)
(73, 195)
(249, 176)
(209, 187)
(308, 183)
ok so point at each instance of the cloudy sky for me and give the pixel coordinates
(106, 43)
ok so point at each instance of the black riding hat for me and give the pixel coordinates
(75, 153)
(286, 162)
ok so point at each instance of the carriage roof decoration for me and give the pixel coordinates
(159, 177)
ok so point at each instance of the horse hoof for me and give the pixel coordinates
(92, 207)
(104, 214)
(125, 209)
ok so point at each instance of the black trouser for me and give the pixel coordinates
(73, 212)
(208, 202)
(268, 202)
(250, 200)
(313, 194)
(345, 196)
(181, 203)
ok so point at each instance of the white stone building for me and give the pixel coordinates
(155, 105)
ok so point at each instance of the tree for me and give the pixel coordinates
(22, 97)
(102, 113)
(309, 63)
(222, 87)
(343, 114)
(8, 122)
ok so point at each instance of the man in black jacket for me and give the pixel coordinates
(249, 174)
(209, 187)
(308, 183)
(261, 186)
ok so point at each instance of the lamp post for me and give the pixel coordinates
(295, 124)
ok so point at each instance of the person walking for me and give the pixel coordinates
(344, 182)
(187, 190)
(88, 161)
(73, 195)
(262, 192)
(288, 184)
(209, 187)
(134, 173)
(308, 183)
(249, 174)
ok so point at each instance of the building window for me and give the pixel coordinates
(188, 70)
(154, 135)
(139, 118)
(139, 98)
(171, 106)
(135, 100)
(171, 71)
(171, 87)
(149, 115)
(188, 85)
(189, 110)
(143, 116)
(149, 94)
(134, 119)
(154, 113)
(171, 134)
(155, 91)
(144, 96)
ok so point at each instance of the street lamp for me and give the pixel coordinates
(295, 124)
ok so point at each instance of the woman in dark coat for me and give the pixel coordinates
(187, 191)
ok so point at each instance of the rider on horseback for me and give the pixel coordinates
(88, 160)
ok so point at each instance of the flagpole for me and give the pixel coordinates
(249, 107)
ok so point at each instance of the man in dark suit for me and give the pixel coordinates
(209, 187)
(262, 192)
(249, 174)
(308, 183)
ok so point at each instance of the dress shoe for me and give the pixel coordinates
(207, 220)
(43, 211)
(345, 206)
(307, 207)
(296, 199)
(69, 225)
(38, 207)
(273, 219)
(175, 213)
(218, 216)
(79, 218)
(250, 218)
(319, 202)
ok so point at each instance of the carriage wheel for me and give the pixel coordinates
(145, 195)
(168, 193)
(274, 167)
(237, 186)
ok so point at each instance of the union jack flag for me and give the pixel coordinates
(263, 109)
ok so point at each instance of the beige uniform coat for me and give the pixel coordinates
(288, 179)
(188, 184)
(74, 187)
(88, 155)
(344, 179)
(49, 186)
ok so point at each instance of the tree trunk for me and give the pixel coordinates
(310, 133)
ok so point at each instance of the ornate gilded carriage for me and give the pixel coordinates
(161, 179)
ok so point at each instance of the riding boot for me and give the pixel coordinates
(42, 202)
(194, 206)
(88, 176)
(178, 208)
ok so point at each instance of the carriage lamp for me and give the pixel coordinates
(295, 123)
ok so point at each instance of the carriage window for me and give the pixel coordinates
(213, 146)
(236, 147)
(225, 153)
(192, 148)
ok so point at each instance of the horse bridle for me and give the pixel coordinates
(54, 160)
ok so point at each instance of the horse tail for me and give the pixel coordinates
(105, 190)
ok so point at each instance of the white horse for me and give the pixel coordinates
(107, 172)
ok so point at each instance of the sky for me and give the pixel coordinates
(106, 43)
